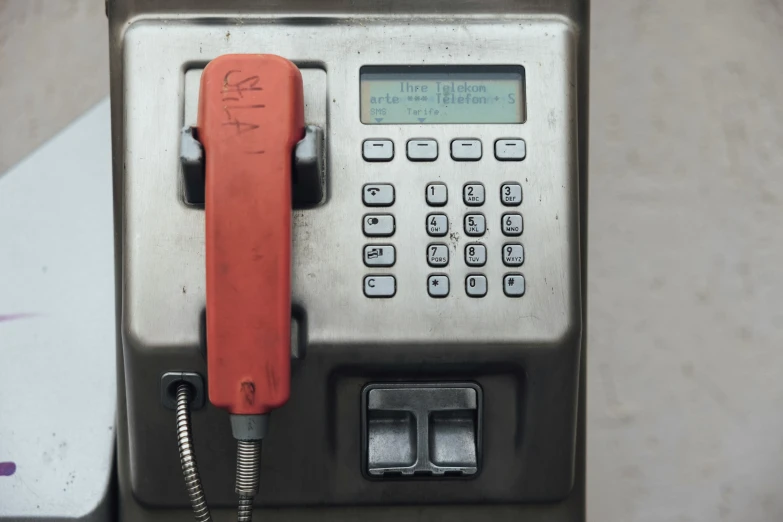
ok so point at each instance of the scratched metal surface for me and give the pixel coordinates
(57, 359)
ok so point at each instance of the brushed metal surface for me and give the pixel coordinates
(164, 272)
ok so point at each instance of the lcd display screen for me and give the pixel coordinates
(448, 94)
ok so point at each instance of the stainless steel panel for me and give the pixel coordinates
(164, 238)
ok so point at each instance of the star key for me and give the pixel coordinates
(438, 285)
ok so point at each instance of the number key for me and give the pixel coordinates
(475, 255)
(511, 194)
(437, 225)
(475, 224)
(437, 194)
(473, 194)
(437, 254)
(511, 224)
(476, 285)
(513, 254)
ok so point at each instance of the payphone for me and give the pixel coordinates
(354, 230)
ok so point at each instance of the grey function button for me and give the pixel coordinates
(514, 285)
(378, 225)
(437, 254)
(473, 194)
(513, 254)
(511, 194)
(422, 150)
(511, 224)
(475, 224)
(437, 225)
(378, 150)
(466, 150)
(476, 285)
(475, 254)
(438, 285)
(510, 149)
(437, 194)
(379, 255)
(380, 286)
(378, 194)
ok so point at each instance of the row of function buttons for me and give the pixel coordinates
(475, 225)
(438, 255)
(437, 194)
(426, 149)
(438, 285)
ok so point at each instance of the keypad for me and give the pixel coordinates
(475, 254)
(475, 224)
(379, 225)
(473, 194)
(437, 194)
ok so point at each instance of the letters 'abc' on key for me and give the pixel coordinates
(473, 194)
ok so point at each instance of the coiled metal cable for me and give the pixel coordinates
(248, 471)
(187, 456)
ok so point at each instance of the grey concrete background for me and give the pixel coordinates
(54, 57)
(686, 232)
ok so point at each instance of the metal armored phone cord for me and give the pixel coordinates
(248, 430)
(187, 455)
(248, 468)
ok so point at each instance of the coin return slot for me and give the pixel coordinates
(452, 439)
(392, 441)
(421, 430)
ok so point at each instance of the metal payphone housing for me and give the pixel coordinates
(526, 354)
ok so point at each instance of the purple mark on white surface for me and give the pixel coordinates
(7, 469)
(13, 317)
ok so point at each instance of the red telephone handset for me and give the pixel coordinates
(250, 117)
